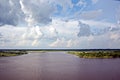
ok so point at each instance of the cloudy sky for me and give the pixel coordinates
(78, 24)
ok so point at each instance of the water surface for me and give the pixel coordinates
(57, 66)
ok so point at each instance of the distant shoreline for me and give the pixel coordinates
(97, 54)
(82, 53)
(6, 53)
(59, 49)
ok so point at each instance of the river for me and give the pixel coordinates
(57, 66)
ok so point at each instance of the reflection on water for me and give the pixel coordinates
(58, 66)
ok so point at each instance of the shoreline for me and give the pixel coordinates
(96, 54)
(11, 53)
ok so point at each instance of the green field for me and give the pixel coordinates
(96, 54)
(11, 53)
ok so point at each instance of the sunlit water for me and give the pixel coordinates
(58, 66)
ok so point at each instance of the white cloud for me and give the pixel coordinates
(104, 39)
(95, 23)
(65, 28)
(59, 43)
(75, 42)
(32, 33)
(62, 43)
(58, 34)
(115, 36)
(20, 36)
(36, 43)
(37, 12)
(93, 14)
(13, 12)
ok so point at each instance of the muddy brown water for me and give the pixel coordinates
(57, 66)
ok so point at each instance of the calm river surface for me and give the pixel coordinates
(57, 66)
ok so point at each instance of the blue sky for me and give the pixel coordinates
(78, 24)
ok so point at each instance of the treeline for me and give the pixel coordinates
(12, 53)
(97, 54)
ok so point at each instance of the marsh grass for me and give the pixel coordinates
(96, 54)
(11, 53)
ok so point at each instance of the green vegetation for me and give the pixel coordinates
(11, 53)
(96, 54)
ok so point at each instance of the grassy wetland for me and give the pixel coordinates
(96, 54)
(11, 53)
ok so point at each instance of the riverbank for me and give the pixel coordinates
(11, 53)
(96, 54)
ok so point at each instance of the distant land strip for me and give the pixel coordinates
(59, 49)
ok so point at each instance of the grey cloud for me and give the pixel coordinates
(9, 12)
(115, 29)
(1, 35)
(14, 12)
(97, 31)
(84, 30)
(38, 12)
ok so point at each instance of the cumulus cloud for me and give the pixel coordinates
(65, 29)
(109, 40)
(94, 28)
(84, 30)
(10, 12)
(59, 34)
(32, 33)
(58, 43)
(20, 36)
(50, 32)
(37, 12)
(13, 12)
(62, 43)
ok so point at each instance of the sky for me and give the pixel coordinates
(60, 24)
